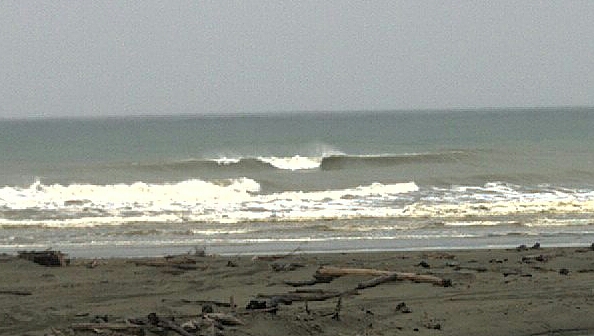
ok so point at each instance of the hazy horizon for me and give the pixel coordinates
(536, 109)
(94, 59)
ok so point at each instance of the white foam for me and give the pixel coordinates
(225, 161)
(138, 195)
(228, 201)
(240, 200)
(296, 162)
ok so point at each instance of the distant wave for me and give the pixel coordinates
(347, 161)
(299, 162)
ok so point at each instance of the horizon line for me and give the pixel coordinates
(293, 112)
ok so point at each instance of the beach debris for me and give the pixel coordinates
(208, 302)
(522, 248)
(430, 323)
(285, 267)
(55, 332)
(211, 322)
(94, 263)
(273, 300)
(224, 319)
(310, 282)
(155, 320)
(532, 258)
(403, 308)
(47, 258)
(183, 262)
(336, 315)
(256, 304)
(15, 292)
(207, 309)
(334, 272)
(326, 274)
(424, 264)
(438, 255)
(564, 271)
(536, 246)
(497, 261)
(479, 269)
(452, 263)
(377, 281)
(275, 257)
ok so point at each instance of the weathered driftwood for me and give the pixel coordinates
(301, 283)
(46, 258)
(210, 302)
(336, 315)
(279, 267)
(296, 296)
(329, 271)
(224, 319)
(167, 324)
(539, 257)
(118, 327)
(274, 257)
(268, 258)
(338, 272)
(317, 278)
(479, 269)
(377, 281)
(15, 292)
(179, 264)
(271, 310)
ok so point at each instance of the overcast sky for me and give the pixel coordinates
(83, 58)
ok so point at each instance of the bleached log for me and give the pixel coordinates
(377, 281)
(338, 272)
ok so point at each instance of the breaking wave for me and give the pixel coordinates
(240, 200)
(300, 162)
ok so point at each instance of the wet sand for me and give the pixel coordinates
(545, 291)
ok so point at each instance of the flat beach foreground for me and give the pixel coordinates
(524, 291)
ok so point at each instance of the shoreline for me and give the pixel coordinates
(310, 247)
(535, 290)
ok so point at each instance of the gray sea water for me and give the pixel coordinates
(311, 181)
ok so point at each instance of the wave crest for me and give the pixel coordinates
(327, 161)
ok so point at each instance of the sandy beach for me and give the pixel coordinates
(523, 291)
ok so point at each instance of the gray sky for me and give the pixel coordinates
(83, 58)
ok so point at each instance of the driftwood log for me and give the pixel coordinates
(15, 292)
(302, 295)
(328, 272)
(46, 258)
(155, 320)
(183, 264)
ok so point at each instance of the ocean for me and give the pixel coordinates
(311, 182)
